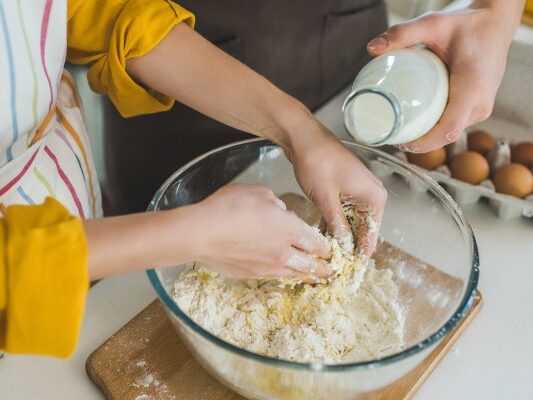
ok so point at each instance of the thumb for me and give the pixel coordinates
(417, 31)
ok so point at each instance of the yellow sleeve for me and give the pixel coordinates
(529, 7)
(43, 279)
(106, 33)
(3, 288)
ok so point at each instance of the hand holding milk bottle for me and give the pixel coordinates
(397, 97)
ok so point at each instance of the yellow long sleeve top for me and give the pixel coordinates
(43, 252)
(529, 7)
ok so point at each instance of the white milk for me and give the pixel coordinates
(397, 97)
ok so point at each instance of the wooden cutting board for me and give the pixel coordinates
(146, 359)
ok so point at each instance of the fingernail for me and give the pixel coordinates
(451, 137)
(379, 43)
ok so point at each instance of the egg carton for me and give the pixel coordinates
(504, 206)
(463, 193)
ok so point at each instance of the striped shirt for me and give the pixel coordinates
(44, 149)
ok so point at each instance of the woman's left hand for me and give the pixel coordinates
(474, 43)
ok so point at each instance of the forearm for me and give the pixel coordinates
(190, 69)
(139, 241)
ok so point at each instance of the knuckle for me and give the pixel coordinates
(433, 18)
(297, 236)
(438, 24)
(453, 134)
(246, 198)
(264, 190)
(396, 30)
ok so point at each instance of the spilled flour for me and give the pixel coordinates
(354, 316)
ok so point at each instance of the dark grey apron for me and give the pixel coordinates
(309, 48)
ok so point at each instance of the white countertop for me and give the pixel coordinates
(493, 359)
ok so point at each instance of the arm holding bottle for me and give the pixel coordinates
(474, 43)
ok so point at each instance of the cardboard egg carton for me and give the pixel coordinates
(511, 122)
(463, 193)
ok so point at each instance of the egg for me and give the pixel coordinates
(514, 179)
(481, 142)
(470, 167)
(430, 160)
(522, 153)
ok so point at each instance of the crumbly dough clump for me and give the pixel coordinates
(354, 317)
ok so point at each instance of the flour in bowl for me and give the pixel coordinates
(353, 317)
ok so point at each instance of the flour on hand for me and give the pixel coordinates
(353, 317)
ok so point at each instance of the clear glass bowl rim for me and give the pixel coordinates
(463, 307)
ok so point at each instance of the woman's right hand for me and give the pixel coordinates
(244, 231)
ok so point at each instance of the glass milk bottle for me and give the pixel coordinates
(397, 97)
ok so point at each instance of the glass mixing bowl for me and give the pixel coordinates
(426, 242)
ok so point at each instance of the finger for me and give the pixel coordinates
(310, 240)
(307, 264)
(261, 271)
(369, 212)
(418, 31)
(456, 117)
(336, 222)
(286, 272)
(230, 271)
(367, 233)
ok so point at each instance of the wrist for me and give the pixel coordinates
(177, 237)
(503, 10)
(301, 131)
(194, 231)
(287, 116)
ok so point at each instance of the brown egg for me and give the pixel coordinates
(514, 179)
(481, 142)
(522, 153)
(430, 160)
(470, 167)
